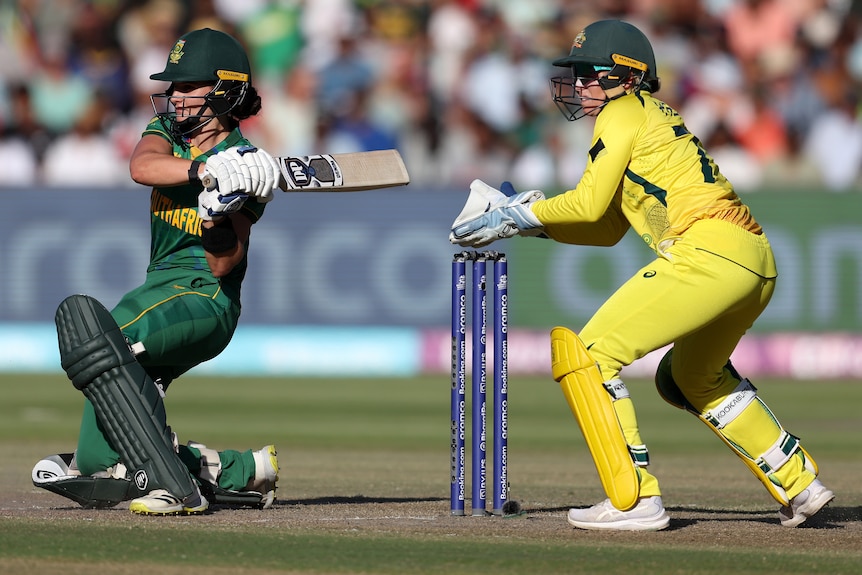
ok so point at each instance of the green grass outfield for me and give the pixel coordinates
(365, 485)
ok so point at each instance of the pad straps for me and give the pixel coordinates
(618, 390)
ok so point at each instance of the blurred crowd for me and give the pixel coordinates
(459, 86)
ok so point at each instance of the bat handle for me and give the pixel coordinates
(209, 182)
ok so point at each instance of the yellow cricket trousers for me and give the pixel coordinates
(701, 294)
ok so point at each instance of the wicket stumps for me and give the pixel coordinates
(500, 481)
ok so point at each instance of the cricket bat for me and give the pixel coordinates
(351, 172)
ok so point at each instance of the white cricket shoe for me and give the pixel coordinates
(161, 502)
(647, 515)
(814, 498)
(265, 474)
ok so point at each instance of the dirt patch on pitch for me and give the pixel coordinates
(366, 495)
(836, 527)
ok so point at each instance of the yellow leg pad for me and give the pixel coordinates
(776, 491)
(581, 381)
(742, 402)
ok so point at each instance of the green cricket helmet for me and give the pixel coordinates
(611, 46)
(205, 56)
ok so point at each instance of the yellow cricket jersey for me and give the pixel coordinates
(645, 171)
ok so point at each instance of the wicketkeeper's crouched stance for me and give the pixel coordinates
(129, 409)
(713, 276)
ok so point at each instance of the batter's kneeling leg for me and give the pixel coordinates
(97, 359)
(743, 404)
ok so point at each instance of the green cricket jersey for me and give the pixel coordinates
(175, 224)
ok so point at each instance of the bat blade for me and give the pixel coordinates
(351, 172)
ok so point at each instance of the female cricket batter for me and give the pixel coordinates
(188, 307)
(713, 276)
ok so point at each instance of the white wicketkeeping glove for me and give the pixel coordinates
(243, 169)
(490, 215)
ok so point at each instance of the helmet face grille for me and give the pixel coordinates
(223, 99)
(566, 98)
(565, 95)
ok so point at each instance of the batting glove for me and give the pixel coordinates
(243, 169)
(212, 204)
(226, 172)
(263, 171)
